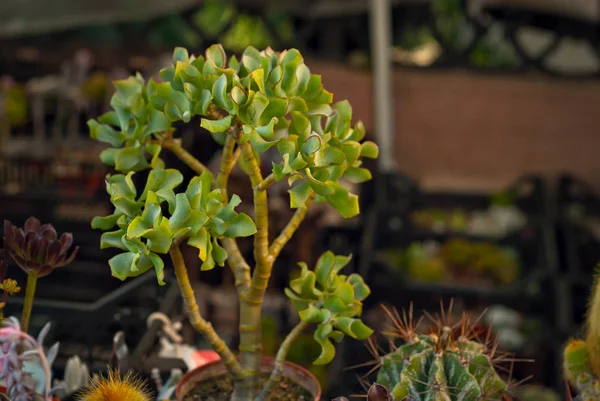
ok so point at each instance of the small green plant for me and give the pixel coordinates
(265, 100)
(581, 362)
(444, 364)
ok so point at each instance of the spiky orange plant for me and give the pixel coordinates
(114, 387)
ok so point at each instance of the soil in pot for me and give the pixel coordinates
(220, 389)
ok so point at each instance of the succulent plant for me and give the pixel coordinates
(440, 365)
(17, 348)
(37, 250)
(266, 100)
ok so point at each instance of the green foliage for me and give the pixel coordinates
(438, 366)
(330, 300)
(272, 98)
(144, 232)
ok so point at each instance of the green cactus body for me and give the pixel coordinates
(439, 368)
(581, 358)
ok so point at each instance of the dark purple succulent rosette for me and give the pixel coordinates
(37, 247)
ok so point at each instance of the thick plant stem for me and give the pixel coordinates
(235, 260)
(280, 360)
(266, 183)
(183, 155)
(593, 329)
(28, 303)
(291, 227)
(250, 303)
(201, 325)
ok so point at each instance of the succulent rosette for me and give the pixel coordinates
(37, 248)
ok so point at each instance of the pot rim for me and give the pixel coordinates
(190, 374)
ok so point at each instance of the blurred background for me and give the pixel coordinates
(486, 111)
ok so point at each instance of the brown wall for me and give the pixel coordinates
(455, 129)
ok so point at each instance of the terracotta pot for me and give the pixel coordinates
(293, 372)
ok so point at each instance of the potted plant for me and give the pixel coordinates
(442, 362)
(581, 362)
(264, 100)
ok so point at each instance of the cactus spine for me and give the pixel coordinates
(581, 362)
(439, 366)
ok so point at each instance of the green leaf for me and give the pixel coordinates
(205, 98)
(314, 87)
(216, 126)
(127, 206)
(357, 175)
(299, 194)
(160, 238)
(361, 290)
(167, 74)
(219, 92)
(256, 108)
(267, 131)
(257, 141)
(276, 108)
(137, 228)
(105, 133)
(180, 54)
(182, 213)
(305, 286)
(258, 76)
(312, 144)
(300, 126)
(298, 303)
(345, 292)
(238, 95)
(369, 150)
(219, 254)
(327, 348)
(312, 315)
(320, 188)
(106, 222)
(216, 53)
(122, 264)
(336, 305)
(303, 75)
(343, 201)
(240, 226)
(341, 262)
(159, 267)
(332, 155)
(251, 59)
(110, 118)
(173, 112)
(108, 156)
(353, 327)
(324, 268)
(201, 241)
(280, 171)
(112, 239)
(157, 123)
(130, 159)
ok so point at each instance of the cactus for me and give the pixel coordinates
(445, 365)
(581, 362)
